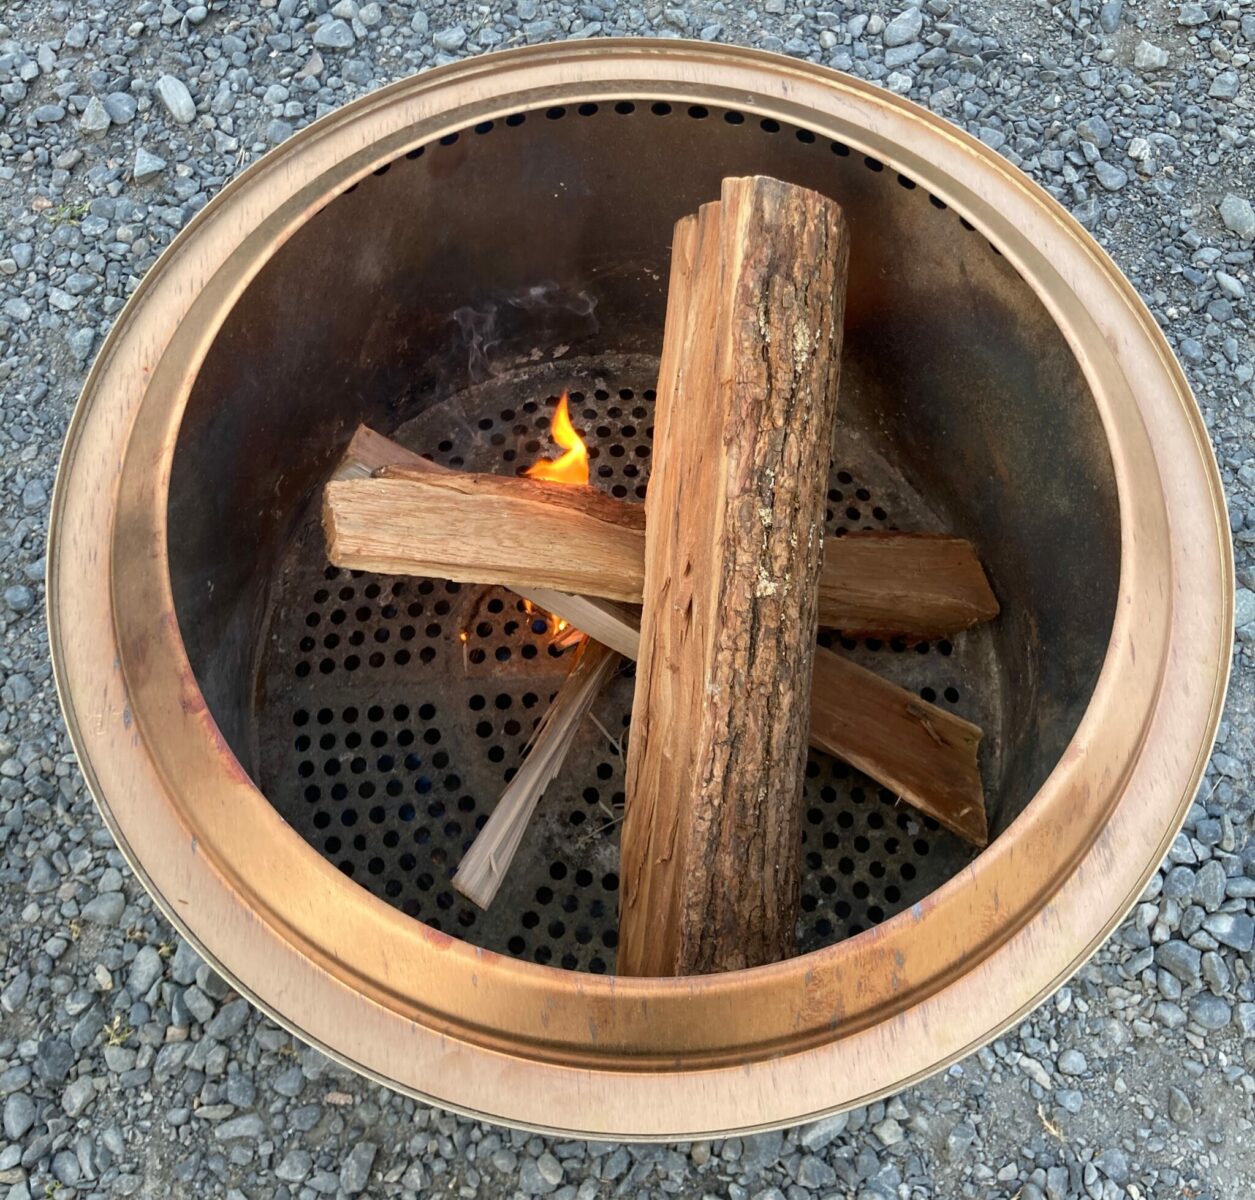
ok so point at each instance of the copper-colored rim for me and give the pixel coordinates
(526, 1044)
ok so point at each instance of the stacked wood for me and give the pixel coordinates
(727, 560)
(919, 751)
(415, 518)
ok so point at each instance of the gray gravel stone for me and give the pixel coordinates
(249, 1126)
(295, 1166)
(888, 1131)
(54, 1060)
(1072, 1062)
(1225, 86)
(1114, 1164)
(904, 28)
(105, 909)
(816, 1136)
(1109, 15)
(43, 876)
(1149, 57)
(145, 971)
(1179, 884)
(899, 56)
(761, 1150)
(78, 1096)
(450, 39)
(1235, 929)
(531, 1182)
(960, 1140)
(1209, 885)
(229, 1021)
(1238, 215)
(355, 1173)
(1179, 1107)
(1211, 1012)
(334, 35)
(173, 93)
(147, 165)
(1096, 130)
(1181, 960)
(1111, 177)
(95, 118)
(19, 1115)
(121, 107)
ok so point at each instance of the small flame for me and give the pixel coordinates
(571, 467)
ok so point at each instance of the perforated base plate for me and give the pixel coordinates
(385, 740)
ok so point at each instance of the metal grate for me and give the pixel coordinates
(385, 739)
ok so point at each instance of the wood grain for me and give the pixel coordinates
(747, 395)
(916, 585)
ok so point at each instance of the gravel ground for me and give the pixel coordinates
(128, 1068)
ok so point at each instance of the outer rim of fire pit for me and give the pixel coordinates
(637, 1058)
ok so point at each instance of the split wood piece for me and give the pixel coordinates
(429, 520)
(747, 397)
(602, 620)
(409, 520)
(923, 754)
(485, 864)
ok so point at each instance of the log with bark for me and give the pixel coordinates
(414, 518)
(747, 393)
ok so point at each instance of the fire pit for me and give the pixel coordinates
(295, 757)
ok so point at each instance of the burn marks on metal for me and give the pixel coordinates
(664, 109)
(393, 711)
(385, 738)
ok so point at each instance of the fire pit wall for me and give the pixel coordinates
(446, 299)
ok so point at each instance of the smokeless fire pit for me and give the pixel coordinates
(294, 757)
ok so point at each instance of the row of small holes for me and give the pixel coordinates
(697, 112)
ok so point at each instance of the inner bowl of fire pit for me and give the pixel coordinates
(295, 757)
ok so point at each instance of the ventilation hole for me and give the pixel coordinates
(734, 118)
(556, 113)
(873, 164)
(625, 107)
(448, 139)
(587, 110)
(767, 125)
(660, 108)
(698, 112)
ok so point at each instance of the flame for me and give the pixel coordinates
(571, 467)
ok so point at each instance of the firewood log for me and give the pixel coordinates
(747, 394)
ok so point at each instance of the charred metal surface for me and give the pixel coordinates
(385, 739)
(464, 277)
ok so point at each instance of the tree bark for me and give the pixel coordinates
(743, 427)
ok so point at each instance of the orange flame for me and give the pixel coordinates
(571, 467)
